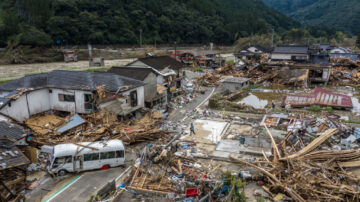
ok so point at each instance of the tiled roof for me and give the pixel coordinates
(291, 49)
(76, 80)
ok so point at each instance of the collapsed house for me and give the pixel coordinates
(320, 97)
(203, 58)
(167, 68)
(70, 91)
(154, 93)
(12, 161)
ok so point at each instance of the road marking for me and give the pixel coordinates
(67, 185)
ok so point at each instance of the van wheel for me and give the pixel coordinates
(62, 172)
(105, 167)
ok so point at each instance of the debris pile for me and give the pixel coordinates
(51, 129)
(344, 62)
(309, 173)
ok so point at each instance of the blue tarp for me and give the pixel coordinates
(74, 121)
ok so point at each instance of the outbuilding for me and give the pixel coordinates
(233, 84)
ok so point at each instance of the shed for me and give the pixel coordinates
(232, 84)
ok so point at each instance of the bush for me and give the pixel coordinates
(34, 37)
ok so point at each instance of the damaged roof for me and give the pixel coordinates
(160, 62)
(11, 156)
(75, 80)
(291, 49)
(320, 97)
(138, 73)
(11, 132)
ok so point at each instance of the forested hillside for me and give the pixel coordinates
(342, 15)
(46, 22)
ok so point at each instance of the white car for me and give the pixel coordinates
(189, 87)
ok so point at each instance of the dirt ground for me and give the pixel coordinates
(24, 69)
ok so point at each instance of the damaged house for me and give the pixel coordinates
(154, 93)
(70, 91)
(202, 58)
(168, 70)
(12, 162)
(250, 52)
(291, 53)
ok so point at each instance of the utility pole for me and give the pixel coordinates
(155, 41)
(140, 38)
(175, 48)
(272, 38)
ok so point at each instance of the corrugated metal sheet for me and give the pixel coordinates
(320, 97)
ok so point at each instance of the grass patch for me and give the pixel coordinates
(198, 69)
(252, 87)
(352, 121)
(318, 109)
(230, 62)
(103, 69)
(5, 81)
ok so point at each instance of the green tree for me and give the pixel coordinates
(358, 40)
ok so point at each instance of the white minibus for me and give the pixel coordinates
(66, 158)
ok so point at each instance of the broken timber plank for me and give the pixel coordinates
(272, 141)
(349, 164)
(315, 143)
(86, 146)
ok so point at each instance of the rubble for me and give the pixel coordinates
(51, 129)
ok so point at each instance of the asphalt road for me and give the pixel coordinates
(87, 185)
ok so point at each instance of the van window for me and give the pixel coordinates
(107, 155)
(91, 157)
(120, 154)
(62, 160)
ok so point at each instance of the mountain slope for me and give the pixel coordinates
(344, 14)
(121, 21)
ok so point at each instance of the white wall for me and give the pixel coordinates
(38, 101)
(284, 56)
(77, 106)
(140, 97)
(122, 106)
(18, 109)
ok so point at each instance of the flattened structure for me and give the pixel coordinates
(320, 97)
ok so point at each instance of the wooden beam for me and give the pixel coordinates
(86, 146)
(273, 141)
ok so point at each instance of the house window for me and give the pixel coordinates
(50, 91)
(88, 98)
(66, 98)
(133, 98)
